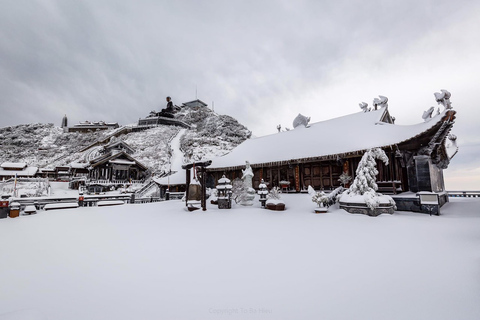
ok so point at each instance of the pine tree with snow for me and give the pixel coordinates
(365, 182)
(366, 174)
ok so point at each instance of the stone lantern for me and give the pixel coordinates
(262, 192)
(224, 189)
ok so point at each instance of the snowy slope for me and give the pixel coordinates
(41, 144)
(158, 261)
(44, 145)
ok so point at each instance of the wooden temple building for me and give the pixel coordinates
(116, 164)
(317, 154)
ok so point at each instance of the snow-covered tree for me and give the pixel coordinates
(366, 174)
(365, 183)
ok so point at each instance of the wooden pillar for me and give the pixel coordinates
(271, 178)
(297, 178)
(321, 177)
(311, 175)
(352, 169)
(204, 189)
(187, 184)
(278, 177)
(331, 177)
(392, 176)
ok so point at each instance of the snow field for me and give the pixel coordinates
(159, 261)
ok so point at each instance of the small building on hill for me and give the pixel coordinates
(88, 126)
(195, 104)
(20, 169)
(319, 153)
(116, 165)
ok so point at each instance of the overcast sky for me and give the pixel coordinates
(262, 62)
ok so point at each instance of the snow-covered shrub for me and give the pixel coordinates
(273, 200)
(321, 199)
(274, 193)
(212, 194)
(238, 190)
(327, 199)
(344, 179)
(335, 195)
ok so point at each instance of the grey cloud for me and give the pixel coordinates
(117, 60)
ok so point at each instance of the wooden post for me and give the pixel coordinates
(187, 184)
(204, 189)
(297, 178)
(321, 177)
(331, 177)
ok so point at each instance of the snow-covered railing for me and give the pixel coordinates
(147, 200)
(177, 195)
(464, 194)
(114, 182)
(25, 180)
(148, 185)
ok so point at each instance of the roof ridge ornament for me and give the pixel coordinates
(364, 106)
(301, 120)
(443, 98)
(380, 103)
(427, 114)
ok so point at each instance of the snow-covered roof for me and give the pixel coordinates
(122, 161)
(27, 172)
(120, 143)
(78, 165)
(122, 156)
(356, 132)
(13, 165)
(195, 103)
(178, 178)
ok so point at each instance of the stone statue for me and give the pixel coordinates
(247, 177)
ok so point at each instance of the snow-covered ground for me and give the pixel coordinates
(159, 261)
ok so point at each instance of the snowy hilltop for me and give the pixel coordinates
(48, 146)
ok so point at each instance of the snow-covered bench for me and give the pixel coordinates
(30, 209)
(60, 205)
(104, 203)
